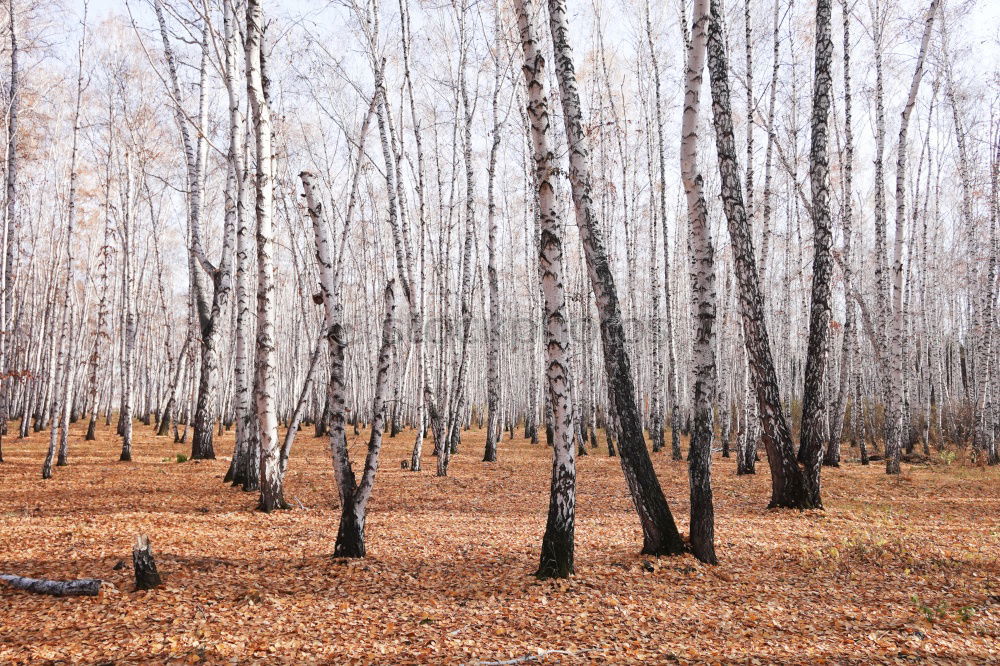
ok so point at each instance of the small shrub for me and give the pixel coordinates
(966, 613)
(932, 613)
(181, 458)
(877, 549)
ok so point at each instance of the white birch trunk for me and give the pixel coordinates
(896, 425)
(271, 491)
(557, 544)
(660, 535)
(703, 298)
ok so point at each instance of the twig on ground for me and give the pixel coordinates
(535, 657)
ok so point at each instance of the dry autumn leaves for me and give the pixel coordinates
(895, 569)
(499, 259)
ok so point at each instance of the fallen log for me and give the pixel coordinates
(84, 587)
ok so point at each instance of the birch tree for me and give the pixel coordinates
(787, 483)
(812, 438)
(10, 223)
(271, 490)
(703, 297)
(894, 418)
(660, 535)
(557, 544)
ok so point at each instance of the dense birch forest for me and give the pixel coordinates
(733, 261)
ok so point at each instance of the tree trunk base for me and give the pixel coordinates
(801, 503)
(557, 556)
(270, 503)
(350, 535)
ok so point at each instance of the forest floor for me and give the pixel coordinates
(894, 570)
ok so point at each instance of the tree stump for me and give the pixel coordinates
(146, 576)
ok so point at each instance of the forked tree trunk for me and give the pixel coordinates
(354, 497)
(787, 482)
(556, 559)
(896, 426)
(660, 535)
(812, 436)
(208, 314)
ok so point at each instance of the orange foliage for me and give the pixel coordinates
(894, 569)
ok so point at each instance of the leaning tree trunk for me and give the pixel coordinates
(194, 158)
(167, 415)
(556, 559)
(660, 535)
(351, 530)
(293, 423)
(787, 482)
(896, 425)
